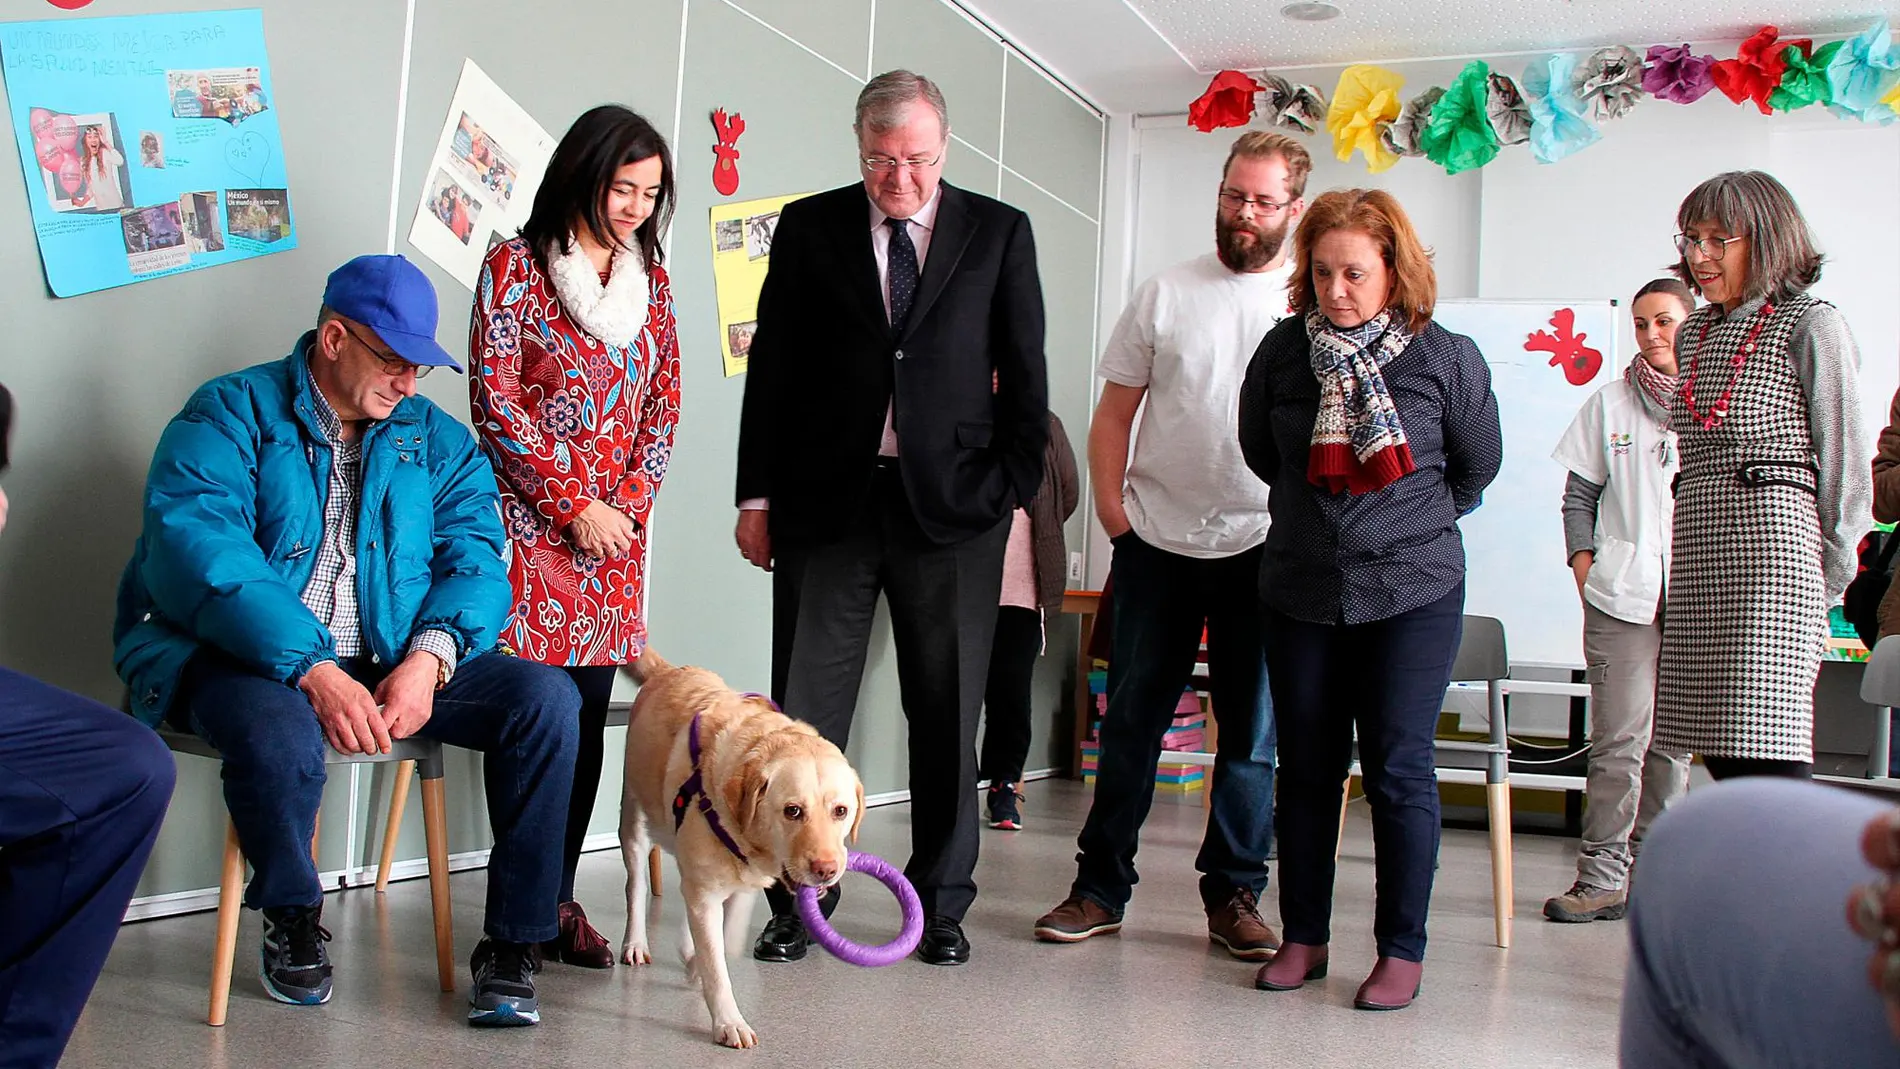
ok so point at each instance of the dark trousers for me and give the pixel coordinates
(83, 789)
(1736, 767)
(1388, 677)
(596, 684)
(1006, 698)
(520, 715)
(1162, 601)
(942, 601)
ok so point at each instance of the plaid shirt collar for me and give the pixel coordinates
(327, 420)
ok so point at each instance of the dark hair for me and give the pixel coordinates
(6, 425)
(574, 190)
(1671, 286)
(1782, 257)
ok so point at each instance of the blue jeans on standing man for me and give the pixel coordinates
(1161, 601)
(522, 716)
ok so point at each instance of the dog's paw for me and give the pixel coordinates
(635, 954)
(736, 1034)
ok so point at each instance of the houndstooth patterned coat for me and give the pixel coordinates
(1747, 607)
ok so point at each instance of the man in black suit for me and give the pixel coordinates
(875, 456)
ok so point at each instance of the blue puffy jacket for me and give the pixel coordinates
(234, 516)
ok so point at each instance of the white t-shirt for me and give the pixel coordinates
(1188, 336)
(1615, 443)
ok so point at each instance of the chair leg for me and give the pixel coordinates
(653, 870)
(230, 904)
(1345, 799)
(436, 831)
(1210, 735)
(316, 832)
(1498, 795)
(398, 798)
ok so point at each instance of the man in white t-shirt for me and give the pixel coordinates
(1187, 520)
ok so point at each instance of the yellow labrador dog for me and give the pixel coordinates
(739, 793)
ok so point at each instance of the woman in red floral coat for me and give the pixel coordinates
(575, 390)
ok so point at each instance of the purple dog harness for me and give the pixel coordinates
(695, 786)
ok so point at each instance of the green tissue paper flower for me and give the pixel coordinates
(1460, 137)
(1805, 82)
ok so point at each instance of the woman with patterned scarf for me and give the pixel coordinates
(1617, 509)
(1375, 429)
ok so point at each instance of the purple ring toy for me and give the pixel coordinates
(858, 953)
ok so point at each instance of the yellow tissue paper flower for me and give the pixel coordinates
(1892, 99)
(1366, 102)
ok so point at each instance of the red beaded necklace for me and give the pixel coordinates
(1719, 411)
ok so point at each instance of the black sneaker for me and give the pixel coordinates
(1005, 811)
(504, 985)
(293, 963)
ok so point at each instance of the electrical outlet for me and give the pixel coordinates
(1075, 567)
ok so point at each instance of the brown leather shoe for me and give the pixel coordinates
(578, 943)
(1393, 985)
(1237, 926)
(1292, 967)
(1076, 919)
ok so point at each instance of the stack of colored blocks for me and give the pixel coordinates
(1187, 734)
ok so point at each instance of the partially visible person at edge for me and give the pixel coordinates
(1622, 460)
(576, 397)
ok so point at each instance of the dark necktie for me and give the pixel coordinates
(903, 271)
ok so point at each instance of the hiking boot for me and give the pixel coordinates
(1237, 926)
(293, 963)
(1005, 812)
(1584, 902)
(503, 995)
(1076, 919)
(578, 943)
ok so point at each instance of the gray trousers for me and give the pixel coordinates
(1629, 783)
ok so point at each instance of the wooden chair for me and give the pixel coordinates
(617, 714)
(409, 754)
(1482, 658)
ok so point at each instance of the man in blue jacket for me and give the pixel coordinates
(321, 565)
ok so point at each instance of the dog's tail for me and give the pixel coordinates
(649, 665)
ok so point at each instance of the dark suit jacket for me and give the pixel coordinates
(825, 364)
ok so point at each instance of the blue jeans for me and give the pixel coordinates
(83, 789)
(1161, 602)
(1740, 953)
(521, 715)
(1388, 676)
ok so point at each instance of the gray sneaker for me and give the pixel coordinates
(293, 963)
(1584, 903)
(503, 996)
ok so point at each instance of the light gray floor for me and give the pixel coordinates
(1156, 995)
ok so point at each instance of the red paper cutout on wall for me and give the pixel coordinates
(726, 152)
(69, 5)
(1580, 362)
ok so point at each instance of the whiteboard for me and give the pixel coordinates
(1514, 542)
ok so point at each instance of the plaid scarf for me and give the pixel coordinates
(1358, 442)
(1656, 388)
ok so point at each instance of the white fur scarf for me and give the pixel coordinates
(614, 313)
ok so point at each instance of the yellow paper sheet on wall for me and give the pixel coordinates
(741, 252)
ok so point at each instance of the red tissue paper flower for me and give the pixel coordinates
(1227, 102)
(1756, 69)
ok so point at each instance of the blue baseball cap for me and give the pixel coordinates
(392, 297)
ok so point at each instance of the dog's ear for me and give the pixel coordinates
(745, 791)
(858, 820)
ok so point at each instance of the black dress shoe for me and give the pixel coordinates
(943, 943)
(785, 938)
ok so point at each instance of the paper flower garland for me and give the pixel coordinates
(1558, 127)
(1805, 81)
(1295, 107)
(1860, 72)
(1459, 137)
(1366, 100)
(1402, 135)
(1227, 102)
(1678, 75)
(1510, 115)
(1610, 81)
(1755, 71)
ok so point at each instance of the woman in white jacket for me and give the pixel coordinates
(101, 163)
(1617, 507)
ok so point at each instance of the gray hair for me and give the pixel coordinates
(886, 99)
(1782, 257)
